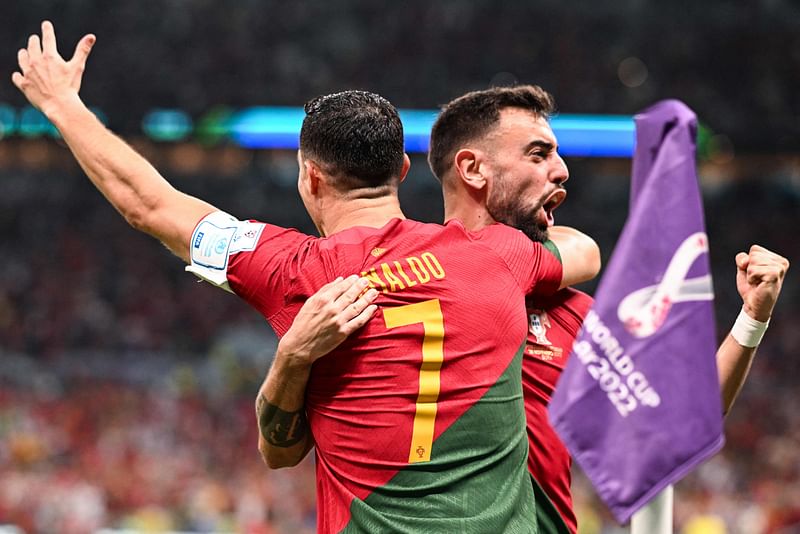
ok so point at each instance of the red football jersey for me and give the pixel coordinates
(417, 415)
(553, 324)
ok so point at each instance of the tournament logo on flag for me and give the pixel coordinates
(638, 404)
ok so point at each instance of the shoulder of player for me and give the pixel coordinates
(251, 234)
(498, 231)
(503, 239)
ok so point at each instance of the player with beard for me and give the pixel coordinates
(489, 148)
(494, 143)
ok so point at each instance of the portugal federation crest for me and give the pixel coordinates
(538, 325)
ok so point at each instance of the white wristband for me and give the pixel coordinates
(747, 331)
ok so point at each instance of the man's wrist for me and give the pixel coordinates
(761, 315)
(293, 358)
(57, 109)
(748, 331)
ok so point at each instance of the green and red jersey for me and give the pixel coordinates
(554, 322)
(418, 419)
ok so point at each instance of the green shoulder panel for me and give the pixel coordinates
(551, 246)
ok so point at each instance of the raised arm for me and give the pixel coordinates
(759, 277)
(579, 253)
(324, 321)
(136, 189)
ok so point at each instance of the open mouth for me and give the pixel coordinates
(552, 202)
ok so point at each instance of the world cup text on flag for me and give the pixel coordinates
(638, 404)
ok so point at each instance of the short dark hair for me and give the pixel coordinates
(474, 114)
(356, 136)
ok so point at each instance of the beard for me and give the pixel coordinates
(507, 208)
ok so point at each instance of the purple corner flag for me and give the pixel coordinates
(638, 404)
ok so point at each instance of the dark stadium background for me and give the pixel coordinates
(126, 387)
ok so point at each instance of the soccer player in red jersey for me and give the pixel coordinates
(421, 412)
(498, 140)
(495, 141)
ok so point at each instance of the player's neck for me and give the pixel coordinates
(470, 211)
(371, 212)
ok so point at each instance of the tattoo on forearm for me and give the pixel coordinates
(278, 427)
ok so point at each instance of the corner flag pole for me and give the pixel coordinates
(656, 516)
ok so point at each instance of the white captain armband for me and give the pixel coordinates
(215, 238)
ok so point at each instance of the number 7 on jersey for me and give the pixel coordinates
(429, 313)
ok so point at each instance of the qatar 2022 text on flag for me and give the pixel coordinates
(638, 404)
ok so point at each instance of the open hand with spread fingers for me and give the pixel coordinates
(45, 78)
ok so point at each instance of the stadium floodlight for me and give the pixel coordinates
(278, 127)
(579, 135)
(417, 128)
(33, 123)
(267, 127)
(595, 135)
(213, 126)
(8, 120)
(167, 124)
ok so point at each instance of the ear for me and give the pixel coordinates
(468, 162)
(315, 176)
(406, 166)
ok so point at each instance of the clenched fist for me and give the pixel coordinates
(759, 277)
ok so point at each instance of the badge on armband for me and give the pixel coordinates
(214, 239)
(211, 244)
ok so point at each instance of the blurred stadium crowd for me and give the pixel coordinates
(126, 387)
(732, 62)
